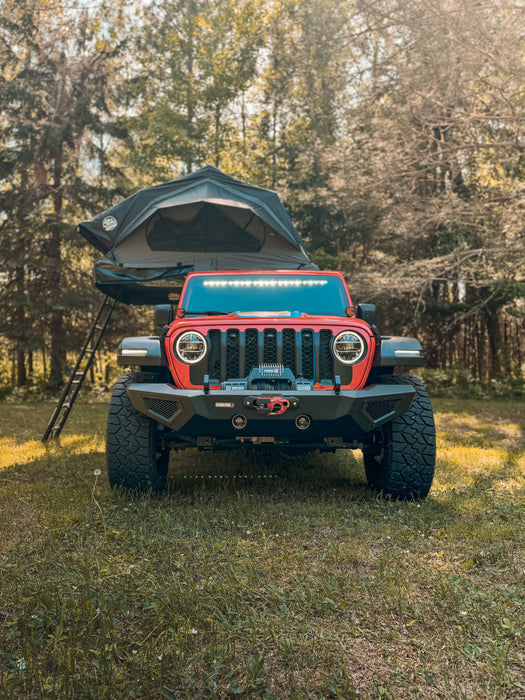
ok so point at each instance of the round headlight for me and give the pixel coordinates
(349, 347)
(190, 347)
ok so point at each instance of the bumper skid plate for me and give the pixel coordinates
(195, 413)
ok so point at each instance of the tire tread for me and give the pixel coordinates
(131, 441)
(405, 469)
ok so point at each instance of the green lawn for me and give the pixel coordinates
(262, 578)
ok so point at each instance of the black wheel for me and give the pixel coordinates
(133, 457)
(401, 456)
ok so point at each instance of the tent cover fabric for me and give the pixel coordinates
(203, 221)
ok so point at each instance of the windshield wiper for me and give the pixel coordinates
(208, 313)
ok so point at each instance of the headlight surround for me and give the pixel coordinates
(190, 347)
(349, 347)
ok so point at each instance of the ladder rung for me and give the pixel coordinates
(90, 350)
(80, 373)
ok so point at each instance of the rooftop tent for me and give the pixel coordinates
(203, 221)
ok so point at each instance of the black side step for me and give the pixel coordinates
(79, 373)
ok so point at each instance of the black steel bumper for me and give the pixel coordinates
(310, 417)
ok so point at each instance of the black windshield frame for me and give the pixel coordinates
(315, 295)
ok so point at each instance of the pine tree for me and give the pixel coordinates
(53, 112)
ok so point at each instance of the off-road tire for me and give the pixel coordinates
(133, 458)
(400, 459)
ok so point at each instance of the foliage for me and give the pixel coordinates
(195, 61)
(457, 382)
(54, 117)
(392, 129)
(426, 173)
(261, 578)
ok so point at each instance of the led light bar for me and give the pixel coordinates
(266, 282)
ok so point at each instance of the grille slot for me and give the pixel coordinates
(165, 408)
(326, 364)
(214, 358)
(251, 350)
(270, 346)
(307, 364)
(289, 349)
(234, 353)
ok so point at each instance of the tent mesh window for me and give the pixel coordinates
(210, 230)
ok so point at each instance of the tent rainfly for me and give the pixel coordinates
(203, 221)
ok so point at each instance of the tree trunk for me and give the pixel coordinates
(19, 311)
(21, 375)
(217, 148)
(57, 354)
(495, 342)
(19, 318)
(56, 325)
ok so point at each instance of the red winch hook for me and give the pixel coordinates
(271, 405)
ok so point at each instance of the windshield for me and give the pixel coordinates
(316, 295)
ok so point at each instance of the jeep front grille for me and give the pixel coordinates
(234, 353)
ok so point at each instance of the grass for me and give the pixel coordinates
(262, 578)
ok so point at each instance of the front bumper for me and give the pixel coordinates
(334, 419)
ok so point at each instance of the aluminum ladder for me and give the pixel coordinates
(79, 373)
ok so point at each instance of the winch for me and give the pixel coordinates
(269, 377)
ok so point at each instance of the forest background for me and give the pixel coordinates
(393, 130)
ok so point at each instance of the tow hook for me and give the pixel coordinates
(271, 405)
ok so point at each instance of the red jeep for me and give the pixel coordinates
(264, 349)
(273, 358)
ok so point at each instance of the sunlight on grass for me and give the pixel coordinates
(466, 464)
(12, 453)
(481, 431)
(480, 448)
(81, 444)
